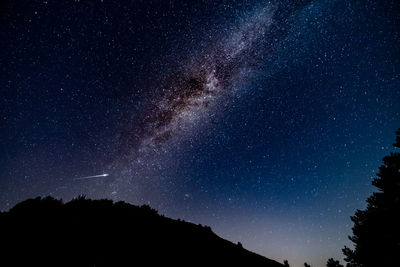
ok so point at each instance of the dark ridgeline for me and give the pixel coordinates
(83, 232)
(376, 230)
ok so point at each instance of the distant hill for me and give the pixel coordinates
(83, 232)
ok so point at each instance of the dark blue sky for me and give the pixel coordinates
(266, 120)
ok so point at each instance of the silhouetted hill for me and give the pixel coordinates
(83, 232)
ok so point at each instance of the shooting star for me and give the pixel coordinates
(93, 176)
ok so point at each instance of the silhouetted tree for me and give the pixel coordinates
(286, 263)
(376, 230)
(307, 265)
(332, 263)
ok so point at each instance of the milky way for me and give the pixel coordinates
(192, 93)
(187, 100)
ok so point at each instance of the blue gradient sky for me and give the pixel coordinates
(305, 101)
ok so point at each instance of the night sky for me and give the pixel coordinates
(266, 120)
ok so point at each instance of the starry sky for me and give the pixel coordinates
(266, 120)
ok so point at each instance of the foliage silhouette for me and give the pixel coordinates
(84, 232)
(286, 263)
(376, 230)
(307, 265)
(332, 263)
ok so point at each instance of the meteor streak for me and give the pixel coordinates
(93, 176)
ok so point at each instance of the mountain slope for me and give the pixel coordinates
(82, 232)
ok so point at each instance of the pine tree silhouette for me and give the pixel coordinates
(332, 263)
(376, 230)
